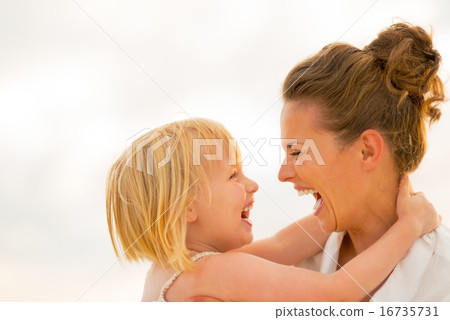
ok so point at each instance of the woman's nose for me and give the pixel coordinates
(286, 172)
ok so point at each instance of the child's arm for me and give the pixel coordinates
(248, 278)
(291, 245)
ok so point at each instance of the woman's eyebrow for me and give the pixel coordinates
(293, 143)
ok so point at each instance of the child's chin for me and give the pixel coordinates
(249, 239)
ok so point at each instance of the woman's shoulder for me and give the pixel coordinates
(422, 275)
(440, 241)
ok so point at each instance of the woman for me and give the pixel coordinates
(291, 246)
(365, 111)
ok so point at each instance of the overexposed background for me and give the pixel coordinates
(77, 79)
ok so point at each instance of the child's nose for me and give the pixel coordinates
(251, 186)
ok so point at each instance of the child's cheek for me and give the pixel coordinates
(240, 193)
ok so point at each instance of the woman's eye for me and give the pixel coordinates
(234, 175)
(295, 153)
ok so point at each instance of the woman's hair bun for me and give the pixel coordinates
(410, 64)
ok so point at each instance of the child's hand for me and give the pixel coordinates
(415, 209)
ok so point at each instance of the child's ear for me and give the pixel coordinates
(191, 216)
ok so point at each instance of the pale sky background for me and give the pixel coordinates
(70, 98)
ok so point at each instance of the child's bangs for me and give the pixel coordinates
(212, 142)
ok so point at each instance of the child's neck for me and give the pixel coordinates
(201, 247)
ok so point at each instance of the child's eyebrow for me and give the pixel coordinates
(237, 167)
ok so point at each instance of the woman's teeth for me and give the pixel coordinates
(318, 204)
(306, 192)
(319, 200)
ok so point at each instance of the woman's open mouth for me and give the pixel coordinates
(319, 201)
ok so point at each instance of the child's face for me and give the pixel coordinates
(222, 223)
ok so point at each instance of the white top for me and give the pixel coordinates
(422, 275)
(169, 282)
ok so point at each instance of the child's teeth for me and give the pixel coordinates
(245, 210)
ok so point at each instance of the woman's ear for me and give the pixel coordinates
(191, 215)
(371, 147)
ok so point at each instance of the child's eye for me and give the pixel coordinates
(234, 175)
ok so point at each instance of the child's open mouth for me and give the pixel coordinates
(245, 214)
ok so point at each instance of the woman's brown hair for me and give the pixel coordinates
(391, 86)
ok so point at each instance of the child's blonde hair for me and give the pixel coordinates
(150, 186)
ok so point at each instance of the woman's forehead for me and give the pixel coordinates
(294, 121)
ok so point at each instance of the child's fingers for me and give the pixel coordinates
(411, 190)
(419, 194)
(405, 187)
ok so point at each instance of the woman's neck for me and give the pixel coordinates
(378, 214)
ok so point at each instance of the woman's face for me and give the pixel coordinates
(323, 165)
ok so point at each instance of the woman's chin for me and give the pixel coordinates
(326, 226)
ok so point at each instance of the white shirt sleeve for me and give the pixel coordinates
(422, 275)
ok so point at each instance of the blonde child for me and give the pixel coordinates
(178, 197)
